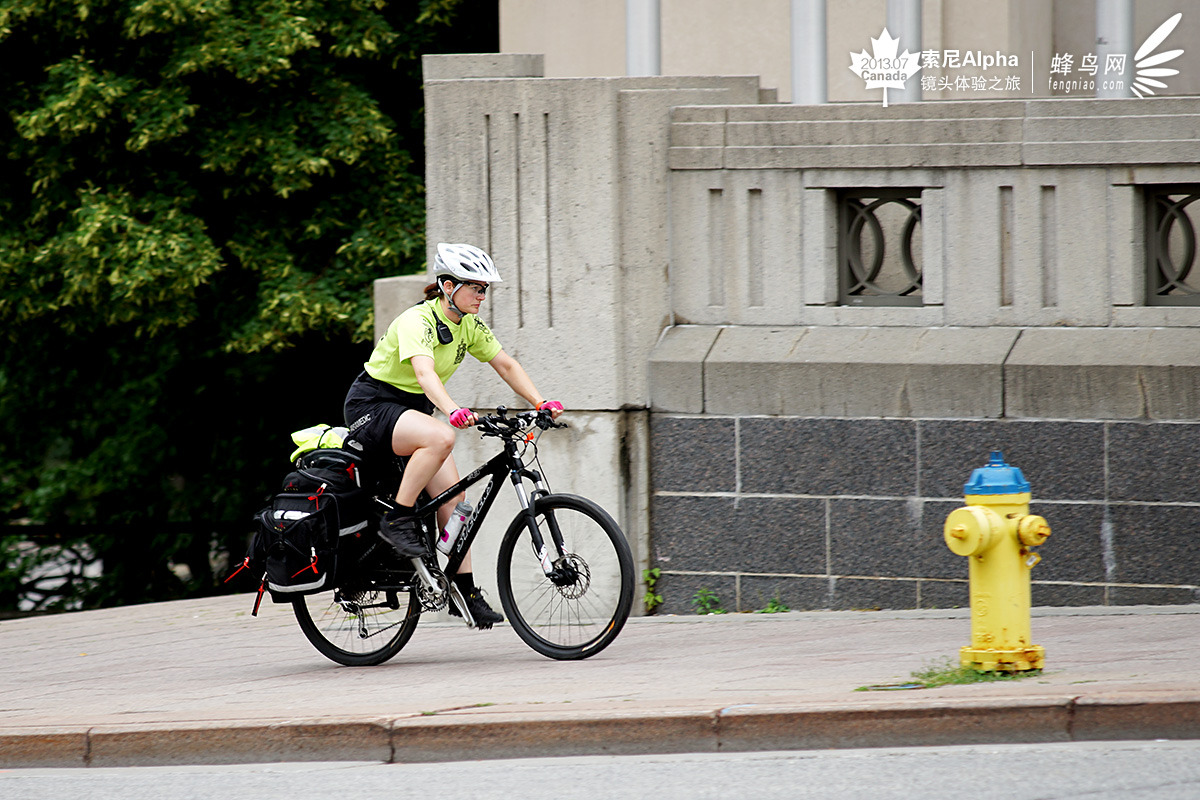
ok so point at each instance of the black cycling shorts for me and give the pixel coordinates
(371, 410)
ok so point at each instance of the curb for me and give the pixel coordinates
(737, 729)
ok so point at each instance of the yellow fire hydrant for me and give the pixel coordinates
(996, 531)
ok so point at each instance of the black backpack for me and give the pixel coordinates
(297, 537)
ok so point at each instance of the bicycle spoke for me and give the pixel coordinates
(581, 613)
(358, 628)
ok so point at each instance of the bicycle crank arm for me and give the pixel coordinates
(460, 602)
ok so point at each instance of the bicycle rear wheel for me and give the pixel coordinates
(358, 627)
(581, 611)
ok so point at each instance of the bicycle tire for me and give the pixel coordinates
(329, 623)
(582, 618)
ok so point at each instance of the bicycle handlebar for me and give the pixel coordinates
(506, 427)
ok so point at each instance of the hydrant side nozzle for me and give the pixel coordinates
(971, 530)
(1033, 530)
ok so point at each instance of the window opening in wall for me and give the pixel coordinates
(879, 231)
(1171, 245)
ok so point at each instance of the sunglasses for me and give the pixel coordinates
(480, 289)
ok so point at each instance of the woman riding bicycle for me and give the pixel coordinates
(389, 406)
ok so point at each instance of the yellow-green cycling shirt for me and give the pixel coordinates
(414, 333)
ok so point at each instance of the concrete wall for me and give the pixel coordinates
(564, 183)
(669, 248)
(751, 37)
(1033, 260)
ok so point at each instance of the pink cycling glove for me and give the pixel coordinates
(461, 418)
(551, 405)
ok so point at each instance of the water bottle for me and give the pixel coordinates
(462, 512)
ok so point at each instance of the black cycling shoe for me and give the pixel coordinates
(484, 616)
(404, 535)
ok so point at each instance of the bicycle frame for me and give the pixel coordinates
(507, 461)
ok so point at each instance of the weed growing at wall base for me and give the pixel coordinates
(774, 606)
(652, 599)
(706, 601)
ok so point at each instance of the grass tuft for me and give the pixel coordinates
(948, 673)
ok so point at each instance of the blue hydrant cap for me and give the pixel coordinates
(996, 477)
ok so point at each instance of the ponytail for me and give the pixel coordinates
(432, 291)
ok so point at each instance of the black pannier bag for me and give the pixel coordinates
(340, 471)
(297, 538)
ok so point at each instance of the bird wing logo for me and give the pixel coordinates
(1149, 65)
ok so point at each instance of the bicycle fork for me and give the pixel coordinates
(550, 553)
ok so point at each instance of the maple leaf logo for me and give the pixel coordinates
(883, 69)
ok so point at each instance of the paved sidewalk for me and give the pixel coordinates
(201, 681)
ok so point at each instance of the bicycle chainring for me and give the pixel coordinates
(433, 598)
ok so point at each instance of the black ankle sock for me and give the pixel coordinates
(399, 512)
(465, 581)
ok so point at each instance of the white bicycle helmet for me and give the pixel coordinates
(464, 262)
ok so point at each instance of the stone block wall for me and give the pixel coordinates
(848, 513)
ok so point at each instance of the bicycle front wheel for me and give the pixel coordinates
(580, 610)
(358, 628)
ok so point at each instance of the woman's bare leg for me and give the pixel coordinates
(427, 442)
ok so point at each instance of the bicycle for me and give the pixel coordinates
(564, 569)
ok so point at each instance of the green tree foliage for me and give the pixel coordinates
(195, 198)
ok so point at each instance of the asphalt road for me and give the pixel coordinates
(1092, 770)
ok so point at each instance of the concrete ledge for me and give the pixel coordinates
(911, 723)
(1014, 720)
(698, 134)
(878, 155)
(874, 112)
(935, 372)
(948, 134)
(483, 65)
(240, 743)
(1149, 715)
(49, 747)
(748, 370)
(901, 372)
(1104, 373)
(450, 739)
(854, 132)
(677, 368)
